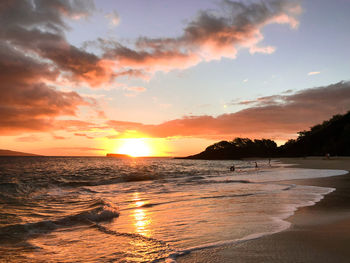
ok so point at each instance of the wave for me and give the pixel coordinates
(99, 211)
(281, 221)
(131, 235)
(135, 177)
(88, 181)
(22, 187)
(172, 257)
(149, 205)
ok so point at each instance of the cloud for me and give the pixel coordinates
(212, 35)
(264, 50)
(313, 73)
(77, 148)
(73, 125)
(30, 138)
(34, 56)
(278, 116)
(113, 18)
(133, 90)
(56, 137)
(26, 102)
(37, 28)
(136, 88)
(83, 135)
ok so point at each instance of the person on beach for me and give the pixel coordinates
(256, 165)
(232, 168)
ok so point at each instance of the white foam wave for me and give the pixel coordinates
(284, 174)
(318, 193)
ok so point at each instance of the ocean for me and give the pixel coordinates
(99, 209)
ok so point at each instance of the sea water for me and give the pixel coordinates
(99, 209)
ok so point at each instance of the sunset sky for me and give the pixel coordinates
(171, 77)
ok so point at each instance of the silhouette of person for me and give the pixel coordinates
(232, 168)
(256, 165)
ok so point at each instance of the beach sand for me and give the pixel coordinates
(319, 233)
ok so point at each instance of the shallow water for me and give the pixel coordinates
(91, 209)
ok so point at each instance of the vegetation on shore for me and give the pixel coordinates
(14, 153)
(331, 137)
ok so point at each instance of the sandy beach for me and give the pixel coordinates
(319, 233)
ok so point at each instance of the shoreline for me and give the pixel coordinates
(318, 233)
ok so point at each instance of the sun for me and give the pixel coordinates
(135, 147)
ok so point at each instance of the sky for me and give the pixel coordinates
(167, 78)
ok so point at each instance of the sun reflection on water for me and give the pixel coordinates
(141, 218)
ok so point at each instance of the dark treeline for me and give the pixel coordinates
(331, 137)
(236, 149)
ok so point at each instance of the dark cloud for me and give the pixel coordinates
(33, 107)
(26, 102)
(36, 56)
(273, 116)
(37, 28)
(34, 53)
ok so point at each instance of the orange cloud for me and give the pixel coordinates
(34, 55)
(73, 125)
(151, 61)
(58, 137)
(274, 116)
(212, 35)
(30, 138)
(39, 30)
(83, 135)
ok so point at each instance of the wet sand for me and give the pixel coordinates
(319, 233)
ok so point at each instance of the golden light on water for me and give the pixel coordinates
(139, 203)
(141, 218)
(141, 222)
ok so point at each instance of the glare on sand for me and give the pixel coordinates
(135, 147)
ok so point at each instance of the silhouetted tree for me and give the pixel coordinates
(332, 136)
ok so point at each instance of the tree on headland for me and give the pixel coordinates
(331, 137)
(238, 148)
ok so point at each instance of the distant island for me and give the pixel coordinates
(14, 153)
(117, 155)
(332, 137)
